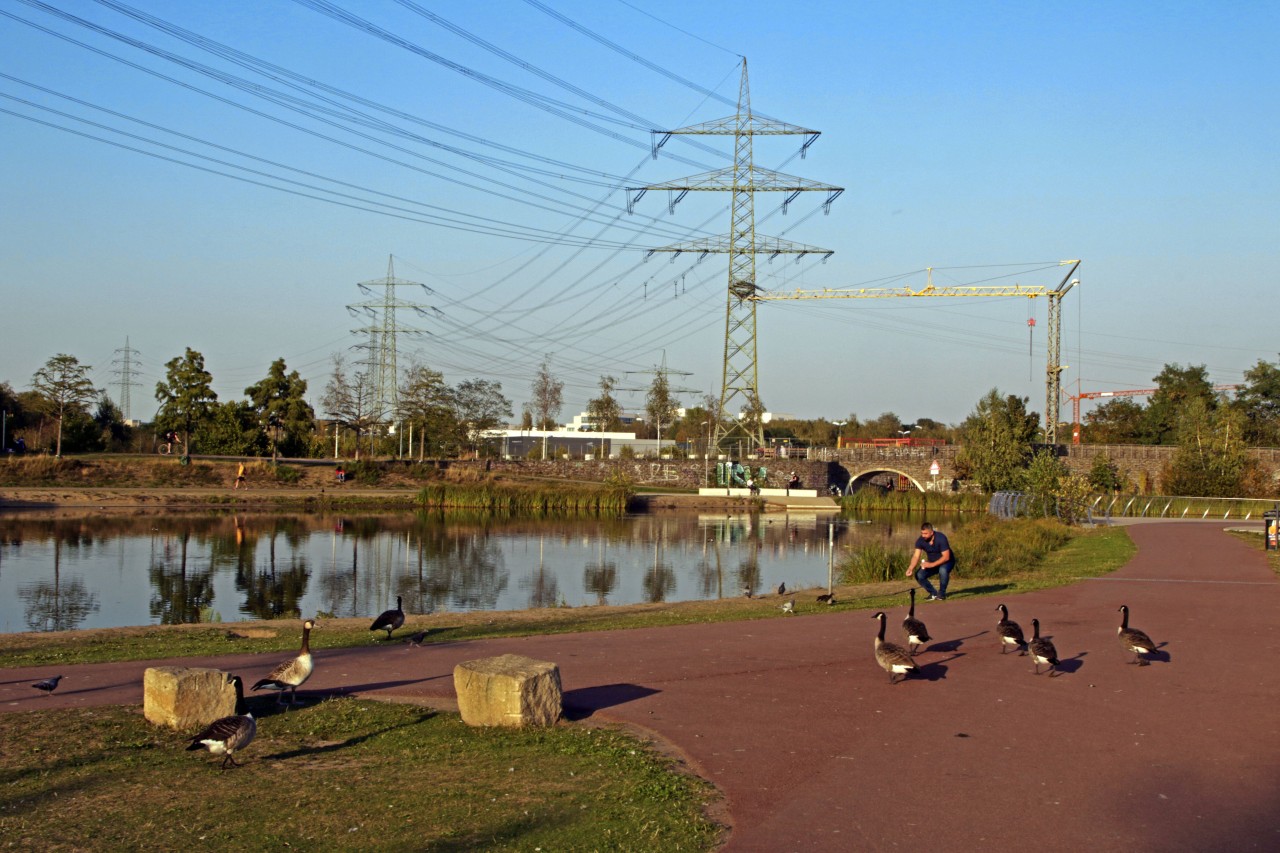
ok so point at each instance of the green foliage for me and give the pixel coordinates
(63, 388)
(186, 396)
(1042, 478)
(605, 412)
(911, 500)
(349, 400)
(230, 429)
(548, 396)
(992, 548)
(479, 406)
(1120, 420)
(1212, 458)
(1259, 401)
(875, 563)
(997, 441)
(428, 403)
(1176, 388)
(659, 406)
(365, 472)
(280, 404)
(523, 499)
(1104, 475)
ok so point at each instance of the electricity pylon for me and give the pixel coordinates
(127, 371)
(1053, 365)
(740, 382)
(383, 330)
(660, 373)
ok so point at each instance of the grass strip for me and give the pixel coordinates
(1086, 553)
(341, 774)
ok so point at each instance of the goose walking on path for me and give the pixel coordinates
(1042, 651)
(293, 673)
(48, 685)
(917, 633)
(390, 619)
(227, 735)
(1010, 632)
(892, 657)
(1134, 640)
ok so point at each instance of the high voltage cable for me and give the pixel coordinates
(677, 29)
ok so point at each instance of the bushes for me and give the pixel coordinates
(874, 563)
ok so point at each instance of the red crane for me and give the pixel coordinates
(1129, 392)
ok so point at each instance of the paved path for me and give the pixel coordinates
(815, 750)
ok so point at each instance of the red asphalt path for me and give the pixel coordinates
(813, 749)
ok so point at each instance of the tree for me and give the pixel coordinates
(427, 402)
(659, 406)
(64, 387)
(1212, 458)
(349, 401)
(231, 429)
(1117, 421)
(1176, 386)
(1104, 475)
(115, 433)
(186, 396)
(1259, 401)
(548, 396)
(605, 412)
(282, 411)
(480, 407)
(997, 440)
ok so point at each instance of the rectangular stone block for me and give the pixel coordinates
(508, 690)
(185, 698)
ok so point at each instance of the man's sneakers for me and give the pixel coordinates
(937, 598)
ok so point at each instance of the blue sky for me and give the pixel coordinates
(1139, 138)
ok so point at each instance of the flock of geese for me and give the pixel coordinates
(899, 662)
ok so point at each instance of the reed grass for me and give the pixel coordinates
(519, 499)
(910, 500)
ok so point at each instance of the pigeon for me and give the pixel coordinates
(782, 588)
(789, 607)
(48, 685)
(417, 639)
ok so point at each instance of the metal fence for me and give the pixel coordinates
(1104, 507)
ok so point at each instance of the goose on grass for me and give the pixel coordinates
(1134, 640)
(917, 633)
(227, 735)
(1042, 651)
(293, 673)
(390, 619)
(1010, 632)
(892, 657)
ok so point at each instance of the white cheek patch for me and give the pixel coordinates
(901, 669)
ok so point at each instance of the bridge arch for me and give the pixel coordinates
(878, 476)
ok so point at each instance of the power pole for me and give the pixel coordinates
(127, 371)
(383, 330)
(740, 382)
(663, 371)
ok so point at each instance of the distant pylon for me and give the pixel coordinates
(127, 371)
(740, 382)
(383, 330)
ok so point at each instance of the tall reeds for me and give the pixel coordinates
(911, 500)
(519, 499)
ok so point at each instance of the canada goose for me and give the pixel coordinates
(389, 620)
(917, 634)
(1134, 640)
(1010, 632)
(827, 598)
(782, 588)
(746, 591)
(1042, 651)
(291, 674)
(48, 685)
(789, 607)
(228, 734)
(892, 658)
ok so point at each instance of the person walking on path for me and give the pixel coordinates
(240, 477)
(933, 556)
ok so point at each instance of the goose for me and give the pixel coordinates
(291, 674)
(892, 658)
(48, 685)
(917, 634)
(228, 734)
(746, 592)
(782, 588)
(827, 598)
(390, 619)
(1010, 632)
(789, 607)
(1134, 640)
(1042, 651)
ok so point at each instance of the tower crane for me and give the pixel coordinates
(1053, 367)
(1126, 392)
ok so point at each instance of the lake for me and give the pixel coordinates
(65, 570)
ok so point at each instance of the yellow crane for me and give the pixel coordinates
(1053, 366)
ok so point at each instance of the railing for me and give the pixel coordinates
(1163, 506)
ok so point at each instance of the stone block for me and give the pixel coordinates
(185, 698)
(508, 690)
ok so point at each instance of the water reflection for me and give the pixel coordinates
(61, 571)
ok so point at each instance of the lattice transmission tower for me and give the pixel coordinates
(383, 331)
(740, 382)
(128, 369)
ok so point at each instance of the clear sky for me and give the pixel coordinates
(490, 144)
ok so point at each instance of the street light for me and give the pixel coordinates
(839, 428)
(706, 454)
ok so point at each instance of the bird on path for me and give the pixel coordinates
(789, 607)
(1042, 651)
(892, 657)
(228, 734)
(48, 685)
(390, 619)
(1134, 640)
(917, 633)
(1010, 632)
(293, 673)
(417, 639)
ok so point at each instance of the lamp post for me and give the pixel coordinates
(839, 429)
(706, 454)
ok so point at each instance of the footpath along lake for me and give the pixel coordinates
(65, 570)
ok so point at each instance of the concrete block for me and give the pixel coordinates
(185, 698)
(508, 690)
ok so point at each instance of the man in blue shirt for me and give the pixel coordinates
(933, 555)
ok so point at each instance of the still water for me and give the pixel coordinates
(59, 572)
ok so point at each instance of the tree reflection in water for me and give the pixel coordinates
(271, 592)
(543, 587)
(56, 605)
(178, 591)
(660, 579)
(601, 577)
